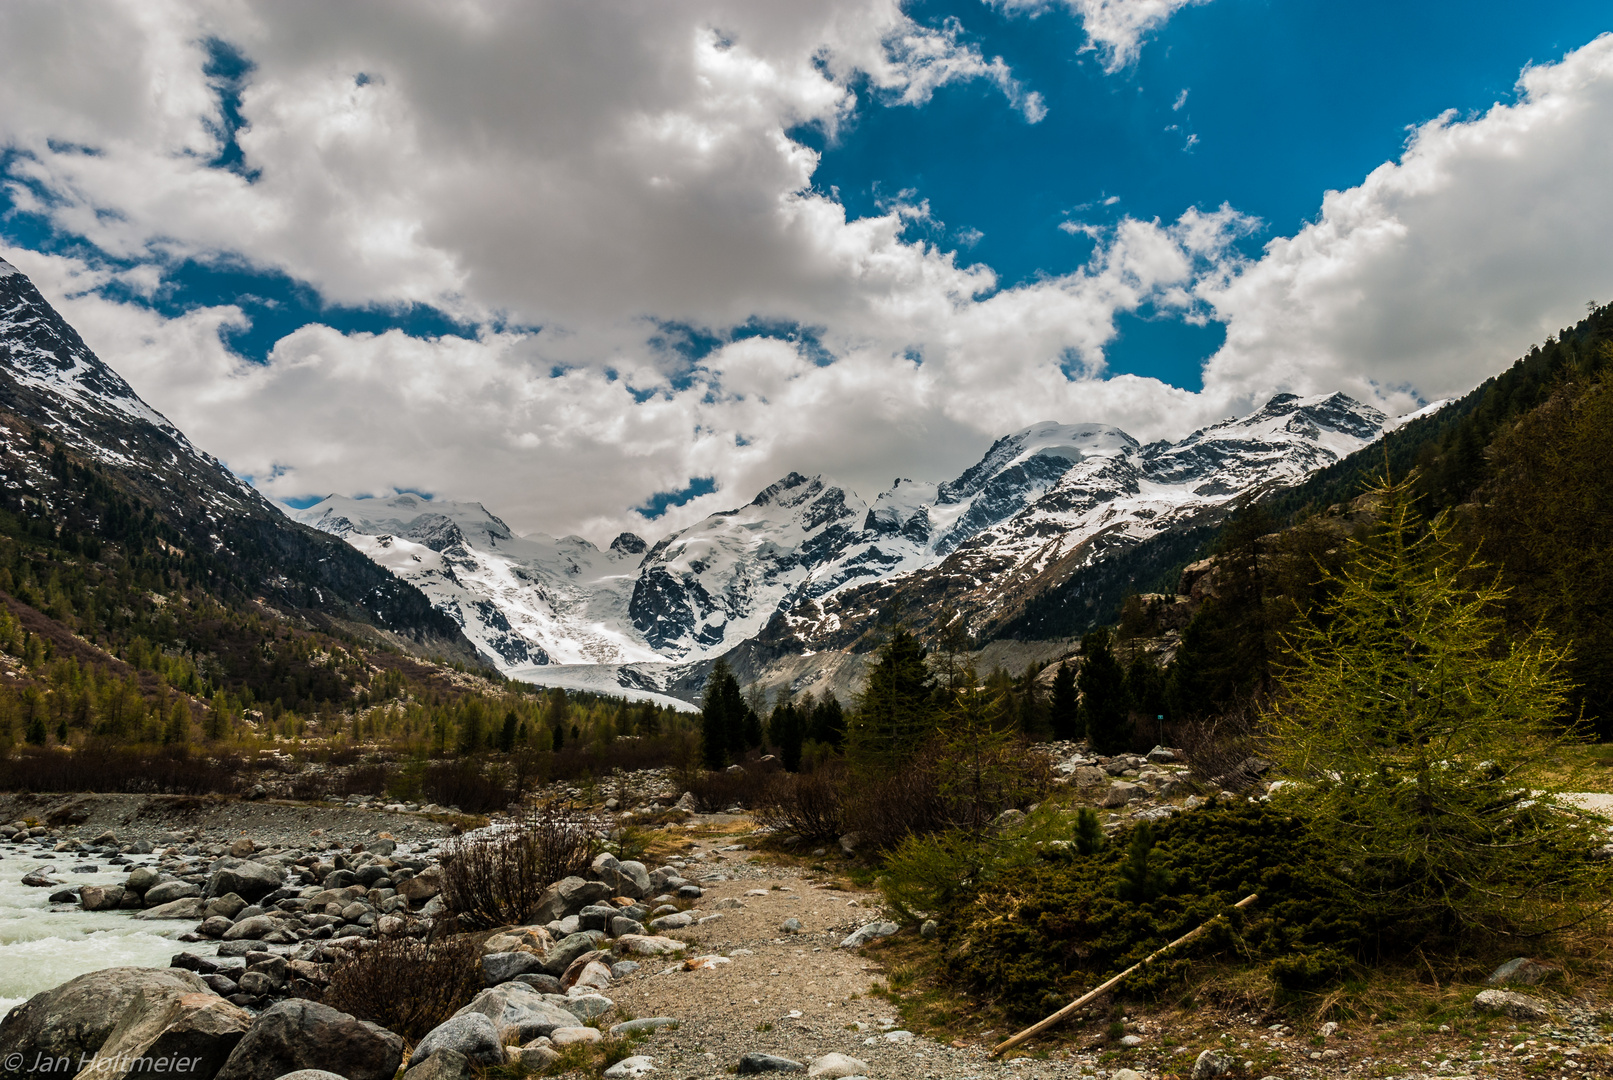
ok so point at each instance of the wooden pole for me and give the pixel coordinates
(1042, 1025)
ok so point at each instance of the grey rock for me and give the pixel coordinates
(836, 1066)
(443, 1065)
(629, 1068)
(595, 917)
(1122, 792)
(586, 1007)
(141, 878)
(502, 967)
(519, 1012)
(690, 892)
(1211, 1064)
(249, 880)
(864, 935)
(201, 1029)
(672, 922)
(311, 1074)
(298, 1034)
(929, 928)
(100, 897)
(169, 891)
(1513, 1004)
(541, 982)
(634, 882)
(792, 925)
(189, 908)
(754, 1064)
(255, 926)
(229, 905)
(621, 924)
(565, 951)
(1521, 971)
(75, 1018)
(471, 1034)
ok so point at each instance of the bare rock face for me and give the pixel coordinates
(75, 1018)
(298, 1034)
(194, 1033)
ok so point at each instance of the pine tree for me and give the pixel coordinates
(722, 717)
(1064, 711)
(792, 732)
(557, 739)
(1105, 706)
(895, 713)
(828, 723)
(506, 736)
(1138, 881)
(1426, 741)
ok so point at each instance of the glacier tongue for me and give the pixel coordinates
(804, 549)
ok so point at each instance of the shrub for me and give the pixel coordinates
(175, 772)
(810, 805)
(496, 877)
(475, 786)
(750, 786)
(407, 986)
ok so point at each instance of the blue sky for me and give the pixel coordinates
(589, 288)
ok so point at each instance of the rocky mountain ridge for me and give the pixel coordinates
(147, 484)
(809, 564)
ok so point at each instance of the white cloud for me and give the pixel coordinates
(599, 172)
(1486, 236)
(1115, 28)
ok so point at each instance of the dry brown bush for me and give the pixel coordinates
(810, 805)
(407, 986)
(496, 878)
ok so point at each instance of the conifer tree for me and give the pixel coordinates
(828, 723)
(506, 736)
(1105, 706)
(895, 713)
(1064, 711)
(792, 732)
(722, 717)
(1425, 740)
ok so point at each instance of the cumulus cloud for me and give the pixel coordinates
(1115, 28)
(1486, 236)
(588, 183)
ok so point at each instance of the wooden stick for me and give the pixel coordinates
(1042, 1025)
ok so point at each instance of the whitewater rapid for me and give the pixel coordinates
(43, 944)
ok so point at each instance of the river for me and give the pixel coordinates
(43, 944)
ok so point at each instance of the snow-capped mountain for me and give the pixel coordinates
(55, 391)
(523, 600)
(824, 560)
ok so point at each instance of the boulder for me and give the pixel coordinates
(199, 1030)
(858, 938)
(641, 945)
(75, 1018)
(169, 891)
(1122, 792)
(541, 982)
(634, 882)
(595, 917)
(593, 976)
(242, 847)
(471, 1035)
(535, 1056)
(249, 880)
(754, 1064)
(585, 1007)
(576, 894)
(835, 1066)
(629, 1068)
(229, 905)
(1521, 971)
(503, 966)
(672, 922)
(423, 886)
(561, 957)
(141, 878)
(39, 879)
(443, 1065)
(189, 908)
(1509, 1003)
(299, 1034)
(621, 924)
(1211, 1064)
(100, 897)
(570, 1035)
(253, 927)
(519, 1012)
